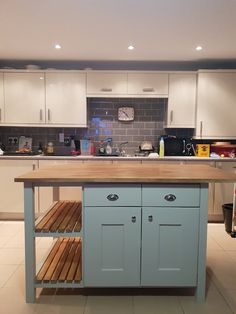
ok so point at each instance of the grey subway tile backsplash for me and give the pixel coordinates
(102, 123)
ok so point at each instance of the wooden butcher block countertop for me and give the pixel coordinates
(127, 173)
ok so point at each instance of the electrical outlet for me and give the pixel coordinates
(12, 140)
(15, 140)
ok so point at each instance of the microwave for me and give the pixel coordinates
(176, 146)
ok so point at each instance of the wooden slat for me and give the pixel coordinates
(42, 272)
(64, 223)
(73, 221)
(39, 227)
(62, 260)
(78, 223)
(78, 274)
(61, 217)
(66, 267)
(75, 262)
(55, 260)
(47, 227)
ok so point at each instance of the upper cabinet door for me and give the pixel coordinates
(146, 84)
(1, 99)
(216, 100)
(181, 101)
(66, 99)
(24, 98)
(106, 84)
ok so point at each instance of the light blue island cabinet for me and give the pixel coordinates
(141, 235)
(138, 226)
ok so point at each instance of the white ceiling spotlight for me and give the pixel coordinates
(198, 48)
(57, 46)
(131, 47)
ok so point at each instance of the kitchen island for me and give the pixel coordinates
(142, 226)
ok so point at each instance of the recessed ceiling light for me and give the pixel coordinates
(131, 47)
(198, 48)
(57, 46)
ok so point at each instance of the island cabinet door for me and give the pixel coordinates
(112, 246)
(169, 246)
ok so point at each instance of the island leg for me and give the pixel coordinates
(29, 216)
(201, 280)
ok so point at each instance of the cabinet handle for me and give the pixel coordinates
(133, 219)
(150, 218)
(112, 197)
(170, 197)
(34, 167)
(41, 114)
(171, 116)
(49, 115)
(148, 89)
(106, 89)
(201, 126)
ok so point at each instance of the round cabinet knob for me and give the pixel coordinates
(133, 219)
(150, 218)
(112, 197)
(170, 197)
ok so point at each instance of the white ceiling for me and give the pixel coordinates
(160, 30)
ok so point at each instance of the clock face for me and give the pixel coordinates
(126, 114)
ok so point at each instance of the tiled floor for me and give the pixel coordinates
(221, 283)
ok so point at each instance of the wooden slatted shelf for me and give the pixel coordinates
(63, 217)
(63, 264)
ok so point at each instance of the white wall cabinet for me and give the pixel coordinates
(24, 98)
(1, 99)
(181, 100)
(216, 99)
(106, 83)
(12, 193)
(66, 99)
(148, 84)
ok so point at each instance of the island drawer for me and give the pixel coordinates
(171, 195)
(112, 195)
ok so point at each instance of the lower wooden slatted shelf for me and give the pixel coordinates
(63, 264)
(63, 217)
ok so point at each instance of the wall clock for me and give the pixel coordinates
(125, 113)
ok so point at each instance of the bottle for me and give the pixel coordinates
(108, 148)
(40, 148)
(161, 148)
(50, 149)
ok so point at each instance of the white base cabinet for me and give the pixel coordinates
(12, 196)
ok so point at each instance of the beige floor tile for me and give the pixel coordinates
(12, 302)
(6, 271)
(17, 280)
(9, 256)
(224, 240)
(214, 304)
(230, 297)
(157, 305)
(213, 245)
(109, 304)
(44, 242)
(9, 229)
(3, 240)
(17, 241)
(70, 304)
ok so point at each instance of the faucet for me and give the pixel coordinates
(121, 150)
